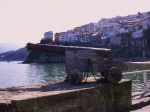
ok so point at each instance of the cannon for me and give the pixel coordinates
(82, 60)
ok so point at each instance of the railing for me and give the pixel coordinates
(142, 72)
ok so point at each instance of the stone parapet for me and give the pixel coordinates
(91, 96)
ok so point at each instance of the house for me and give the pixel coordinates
(134, 19)
(86, 37)
(104, 35)
(69, 36)
(136, 27)
(116, 29)
(107, 24)
(130, 28)
(145, 24)
(93, 29)
(139, 42)
(77, 31)
(137, 34)
(123, 30)
(56, 37)
(133, 26)
(107, 34)
(83, 28)
(87, 27)
(48, 36)
(111, 33)
(73, 38)
(123, 20)
(64, 37)
(130, 23)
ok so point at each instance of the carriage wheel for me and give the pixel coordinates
(75, 76)
(113, 75)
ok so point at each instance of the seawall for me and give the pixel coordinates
(91, 96)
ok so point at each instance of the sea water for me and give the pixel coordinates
(17, 74)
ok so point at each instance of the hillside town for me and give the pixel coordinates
(113, 29)
(128, 38)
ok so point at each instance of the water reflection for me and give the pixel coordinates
(42, 73)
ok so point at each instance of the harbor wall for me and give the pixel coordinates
(89, 97)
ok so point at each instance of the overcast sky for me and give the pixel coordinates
(23, 21)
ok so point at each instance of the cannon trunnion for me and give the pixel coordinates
(81, 60)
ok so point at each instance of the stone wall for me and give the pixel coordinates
(88, 97)
(44, 57)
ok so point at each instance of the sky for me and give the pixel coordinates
(23, 21)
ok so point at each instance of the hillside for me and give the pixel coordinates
(18, 55)
(4, 47)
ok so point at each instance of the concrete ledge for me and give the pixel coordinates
(140, 100)
(62, 97)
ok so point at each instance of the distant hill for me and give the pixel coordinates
(4, 47)
(18, 55)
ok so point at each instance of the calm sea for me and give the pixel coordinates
(137, 79)
(16, 74)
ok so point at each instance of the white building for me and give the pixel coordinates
(123, 30)
(107, 24)
(111, 33)
(137, 34)
(48, 35)
(68, 37)
(108, 34)
(73, 38)
(64, 37)
(145, 24)
(123, 20)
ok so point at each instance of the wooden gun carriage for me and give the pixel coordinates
(81, 60)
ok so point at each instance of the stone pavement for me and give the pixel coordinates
(143, 109)
(64, 97)
(140, 102)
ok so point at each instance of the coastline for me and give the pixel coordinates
(134, 60)
(126, 60)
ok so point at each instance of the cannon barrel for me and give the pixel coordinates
(61, 49)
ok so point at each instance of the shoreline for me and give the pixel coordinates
(125, 60)
(134, 60)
